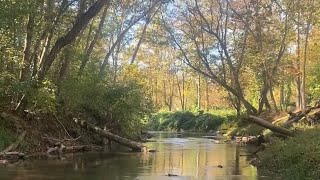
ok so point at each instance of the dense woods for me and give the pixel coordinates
(114, 63)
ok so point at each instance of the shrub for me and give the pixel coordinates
(185, 120)
(207, 122)
(294, 158)
(120, 106)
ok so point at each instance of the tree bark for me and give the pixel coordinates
(271, 126)
(63, 71)
(25, 71)
(93, 42)
(80, 24)
(303, 66)
(141, 39)
(120, 140)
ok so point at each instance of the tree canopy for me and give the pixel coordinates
(118, 59)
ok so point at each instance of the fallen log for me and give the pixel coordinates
(71, 149)
(59, 148)
(18, 155)
(120, 140)
(271, 126)
(308, 114)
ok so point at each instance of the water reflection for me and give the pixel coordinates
(187, 156)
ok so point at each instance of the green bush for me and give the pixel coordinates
(120, 106)
(185, 120)
(294, 158)
(207, 122)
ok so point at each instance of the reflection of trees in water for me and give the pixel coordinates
(183, 156)
(237, 165)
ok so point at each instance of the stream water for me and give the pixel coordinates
(189, 156)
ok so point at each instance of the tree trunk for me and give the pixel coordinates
(272, 98)
(80, 24)
(25, 71)
(93, 42)
(140, 40)
(303, 68)
(120, 140)
(199, 93)
(63, 69)
(271, 126)
(297, 63)
(207, 95)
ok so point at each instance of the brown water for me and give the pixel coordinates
(191, 157)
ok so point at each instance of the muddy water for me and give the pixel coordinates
(188, 156)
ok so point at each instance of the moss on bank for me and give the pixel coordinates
(294, 158)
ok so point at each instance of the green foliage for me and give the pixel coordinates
(44, 97)
(7, 82)
(294, 158)
(185, 120)
(6, 138)
(120, 106)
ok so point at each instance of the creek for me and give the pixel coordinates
(188, 156)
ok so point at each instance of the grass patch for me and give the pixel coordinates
(294, 158)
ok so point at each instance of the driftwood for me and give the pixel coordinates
(56, 142)
(59, 148)
(69, 149)
(297, 116)
(13, 155)
(120, 140)
(18, 155)
(271, 126)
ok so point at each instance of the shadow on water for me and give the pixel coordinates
(189, 156)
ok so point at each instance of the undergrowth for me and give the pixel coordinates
(187, 121)
(294, 158)
(6, 137)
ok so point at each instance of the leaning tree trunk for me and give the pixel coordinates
(120, 140)
(80, 24)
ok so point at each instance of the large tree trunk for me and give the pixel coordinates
(271, 126)
(120, 140)
(80, 24)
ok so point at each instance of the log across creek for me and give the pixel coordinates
(135, 146)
